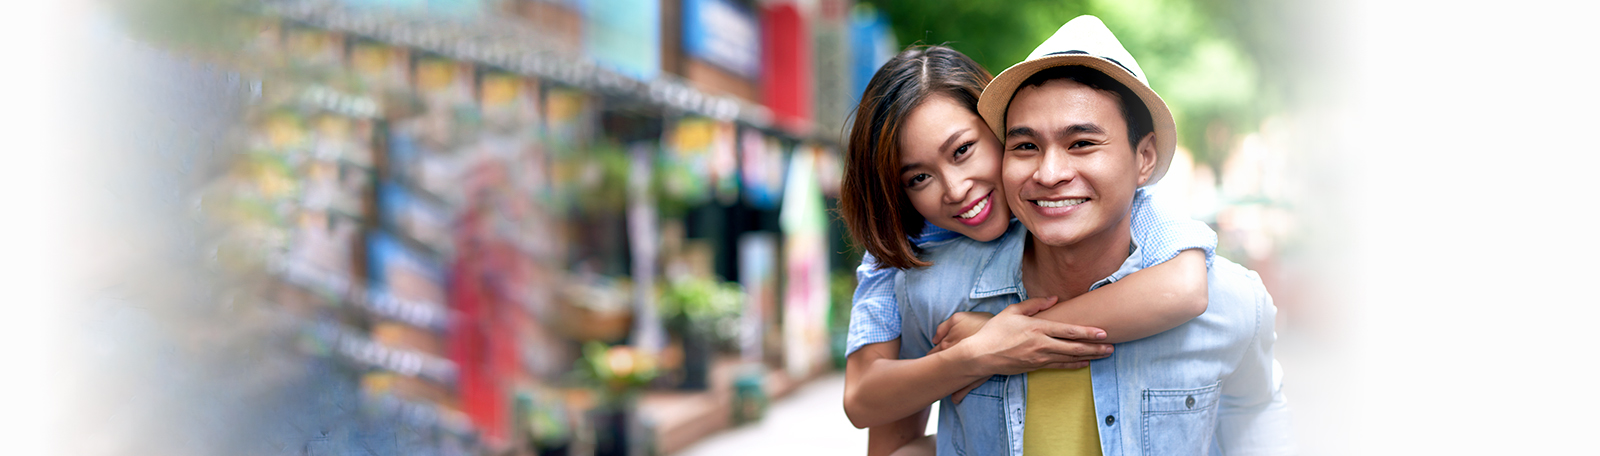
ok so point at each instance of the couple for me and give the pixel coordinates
(940, 161)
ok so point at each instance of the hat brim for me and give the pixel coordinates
(997, 95)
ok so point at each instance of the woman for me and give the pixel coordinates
(922, 167)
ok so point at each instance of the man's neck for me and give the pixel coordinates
(1069, 271)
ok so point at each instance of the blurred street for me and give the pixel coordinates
(810, 421)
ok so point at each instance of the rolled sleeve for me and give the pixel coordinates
(1162, 232)
(874, 317)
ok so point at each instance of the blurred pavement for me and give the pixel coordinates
(810, 421)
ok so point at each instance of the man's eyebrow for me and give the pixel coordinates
(952, 139)
(1080, 128)
(1020, 131)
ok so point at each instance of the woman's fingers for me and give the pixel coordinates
(1073, 332)
(944, 329)
(1031, 306)
(1078, 350)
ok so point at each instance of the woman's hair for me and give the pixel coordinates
(873, 204)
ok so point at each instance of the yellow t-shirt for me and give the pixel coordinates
(1060, 418)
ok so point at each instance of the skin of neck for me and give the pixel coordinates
(1069, 270)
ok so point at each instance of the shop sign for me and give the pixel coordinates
(724, 34)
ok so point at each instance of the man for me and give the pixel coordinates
(1083, 134)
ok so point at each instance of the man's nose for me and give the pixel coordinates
(1054, 169)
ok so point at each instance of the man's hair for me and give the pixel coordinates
(872, 203)
(1134, 111)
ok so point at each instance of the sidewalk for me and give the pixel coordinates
(809, 421)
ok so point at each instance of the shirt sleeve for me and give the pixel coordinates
(874, 317)
(1162, 232)
(1254, 416)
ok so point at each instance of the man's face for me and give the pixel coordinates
(1069, 171)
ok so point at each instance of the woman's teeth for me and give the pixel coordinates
(970, 213)
(1062, 203)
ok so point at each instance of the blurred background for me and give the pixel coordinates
(607, 227)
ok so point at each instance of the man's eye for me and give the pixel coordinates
(1082, 143)
(1024, 146)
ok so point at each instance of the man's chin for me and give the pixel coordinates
(1056, 238)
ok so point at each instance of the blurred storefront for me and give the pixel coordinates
(535, 226)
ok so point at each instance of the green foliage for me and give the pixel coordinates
(617, 373)
(708, 307)
(701, 299)
(1198, 55)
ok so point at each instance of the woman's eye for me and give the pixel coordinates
(963, 150)
(917, 179)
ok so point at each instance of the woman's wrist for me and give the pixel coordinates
(962, 360)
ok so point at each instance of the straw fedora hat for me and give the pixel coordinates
(1083, 41)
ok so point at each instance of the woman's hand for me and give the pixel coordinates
(1013, 342)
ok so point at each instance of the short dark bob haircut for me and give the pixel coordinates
(872, 203)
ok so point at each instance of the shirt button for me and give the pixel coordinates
(1110, 420)
(1189, 402)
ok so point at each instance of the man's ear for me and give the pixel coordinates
(1147, 157)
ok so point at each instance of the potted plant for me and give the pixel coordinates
(704, 314)
(617, 374)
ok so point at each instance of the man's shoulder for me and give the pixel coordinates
(1237, 291)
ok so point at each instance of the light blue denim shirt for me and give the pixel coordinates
(1207, 386)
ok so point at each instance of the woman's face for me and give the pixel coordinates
(950, 169)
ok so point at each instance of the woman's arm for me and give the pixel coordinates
(1141, 305)
(1012, 342)
(889, 439)
(1144, 303)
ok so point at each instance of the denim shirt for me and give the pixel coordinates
(1209, 385)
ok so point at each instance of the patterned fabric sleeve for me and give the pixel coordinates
(1162, 231)
(873, 316)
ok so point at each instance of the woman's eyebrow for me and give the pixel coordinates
(952, 139)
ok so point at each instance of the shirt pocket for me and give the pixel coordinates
(980, 420)
(1179, 421)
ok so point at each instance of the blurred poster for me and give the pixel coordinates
(830, 171)
(758, 256)
(570, 118)
(510, 102)
(725, 162)
(624, 35)
(762, 169)
(805, 248)
(403, 272)
(871, 44)
(382, 67)
(723, 33)
(686, 165)
(314, 48)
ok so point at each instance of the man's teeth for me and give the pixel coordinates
(1062, 203)
(970, 213)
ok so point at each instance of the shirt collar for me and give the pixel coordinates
(1001, 272)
